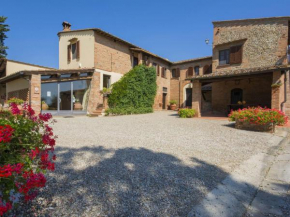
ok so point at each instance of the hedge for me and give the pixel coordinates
(134, 93)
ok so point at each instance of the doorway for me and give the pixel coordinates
(188, 92)
(164, 95)
(65, 98)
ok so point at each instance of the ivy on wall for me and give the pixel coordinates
(134, 93)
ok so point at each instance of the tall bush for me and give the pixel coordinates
(134, 92)
(26, 153)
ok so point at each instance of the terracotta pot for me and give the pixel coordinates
(44, 106)
(172, 106)
(78, 106)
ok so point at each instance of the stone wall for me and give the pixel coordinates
(36, 93)
(264, 42)
(256, 91)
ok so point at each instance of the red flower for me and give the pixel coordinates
(14, 109)
(6, 133)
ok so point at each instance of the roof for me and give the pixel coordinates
(43, 72)
(239, 72)
(252, 19)
(192, 60)
(132, 46)
(29, 64)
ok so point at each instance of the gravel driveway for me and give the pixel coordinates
(140, 165)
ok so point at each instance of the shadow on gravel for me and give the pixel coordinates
(125, 182)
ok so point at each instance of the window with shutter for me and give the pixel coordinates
(78, 50)
(158, 70)
(69, 53)
(239, 54)
(190, 72)
(196, 70)
(224, 57)
(206, 69)
(163, 72)
(236, 54)
(177, 72)
(173, 73)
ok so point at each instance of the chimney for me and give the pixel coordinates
(66, 26)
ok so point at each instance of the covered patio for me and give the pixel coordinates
(217, 94)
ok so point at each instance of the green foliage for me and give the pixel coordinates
(106, 90)
(3, 29)
(15, 100)
(187, 113)
(172, 102)
(134, 93)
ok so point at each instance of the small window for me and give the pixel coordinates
(175, 73)
(163, 72)
(135, 61)
(44, 77)
(224, 57)
(106, 81)
(164, 89)
(74, 51)
(196, 70)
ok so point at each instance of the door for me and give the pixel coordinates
(164, 100)
(65, 99)
(188, 102)
(236, 96)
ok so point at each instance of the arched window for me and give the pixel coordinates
(236, 95)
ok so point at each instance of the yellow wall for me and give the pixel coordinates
(87, 40)
(13, 67)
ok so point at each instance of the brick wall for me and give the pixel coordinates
(256, 91)
(111, 55)
(36, 93)
(264, 42)
(95, 96)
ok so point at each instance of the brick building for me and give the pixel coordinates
(248, 67)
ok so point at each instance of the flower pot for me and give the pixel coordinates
(244, 125)
(78, 106)
(44, 106)
(172, 106)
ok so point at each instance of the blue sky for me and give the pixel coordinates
(173, 29)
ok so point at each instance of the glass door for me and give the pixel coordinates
(65, 99)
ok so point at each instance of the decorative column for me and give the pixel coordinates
(196, 97)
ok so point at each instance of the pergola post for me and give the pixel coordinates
(196, 97)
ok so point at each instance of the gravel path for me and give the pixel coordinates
(140, 165)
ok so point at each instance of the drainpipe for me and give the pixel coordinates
(29, 87)
(285, 91)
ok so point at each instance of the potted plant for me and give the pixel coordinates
(44, 106)
(172, 104)
(78, 105)
(16, 101)
(106, 91)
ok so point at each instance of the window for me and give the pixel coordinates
(135, 61)
(233, 55)
(224, 57)
(156, 68)
(207, 69)
(73, 51)
(190, 72)
(163, 72)
(196, 70)
(175, 73)
(106, 81)
(236, 96)
(164, 89)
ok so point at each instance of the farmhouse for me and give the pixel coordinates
(249, 66)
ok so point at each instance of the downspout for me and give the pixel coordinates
(285, 91)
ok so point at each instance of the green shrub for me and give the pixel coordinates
(134, 93)
(187, 113)
(15, 100)
(172, 102)
(259, 116)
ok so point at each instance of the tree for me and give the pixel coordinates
(3, 29)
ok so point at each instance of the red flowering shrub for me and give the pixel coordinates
(26, 153)
(259, 116)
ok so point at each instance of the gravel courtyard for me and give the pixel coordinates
(140, 165)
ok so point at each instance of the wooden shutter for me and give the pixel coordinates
(190, 71)
(239, 54)
(78, 50)
(205, 69)
(233, 55)
(177, 73)
(69, 53)
(157, 69)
